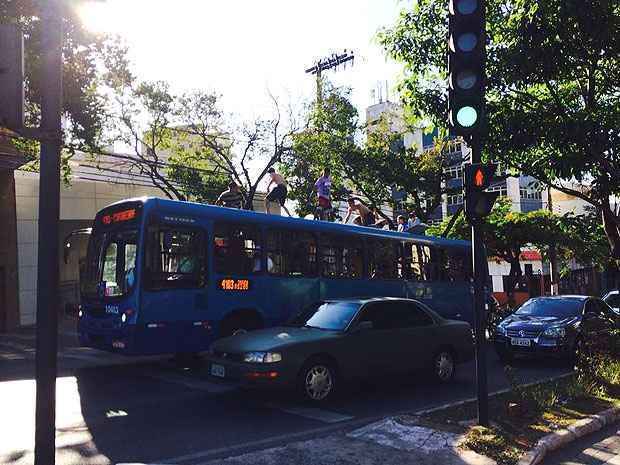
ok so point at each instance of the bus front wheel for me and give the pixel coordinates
(239, 323)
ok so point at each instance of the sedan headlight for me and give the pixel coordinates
(555, 332)
(501, 330)
(262, 357)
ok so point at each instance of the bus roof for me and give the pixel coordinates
(233, 214)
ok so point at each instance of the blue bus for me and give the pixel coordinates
(166, 276)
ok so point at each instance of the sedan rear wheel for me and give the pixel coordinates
(444, 366)
(317, 381)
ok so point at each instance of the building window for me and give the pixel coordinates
(501, 188)
(455, 199)
(530, 194)
(454, 172)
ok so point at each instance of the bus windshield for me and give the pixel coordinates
(111, 264)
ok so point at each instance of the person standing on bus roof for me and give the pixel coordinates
(323, 186)
(231, 198)
(278, 193)
(367, 218)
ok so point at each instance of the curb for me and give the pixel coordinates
(563, 437)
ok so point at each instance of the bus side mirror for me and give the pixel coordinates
(66, 251)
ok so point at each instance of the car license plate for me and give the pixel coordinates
(218, 370)
(519, 341)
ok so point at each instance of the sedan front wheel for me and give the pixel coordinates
(317, 381)
(444, 366)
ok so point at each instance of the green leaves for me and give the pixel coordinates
(553, 95)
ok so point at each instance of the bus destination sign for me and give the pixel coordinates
(228, 284)
(119, 217)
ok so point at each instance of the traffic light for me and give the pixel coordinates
(466, 56)
(11, 77)
(478, 202)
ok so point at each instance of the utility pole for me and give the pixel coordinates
(49, 210)
(327, 63)
(553, 254)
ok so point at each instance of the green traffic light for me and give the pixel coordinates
(467, 116)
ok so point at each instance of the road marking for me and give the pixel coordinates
(312, 413)
(202, 385)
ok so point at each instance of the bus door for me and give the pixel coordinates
(174, 314)
(238, 283)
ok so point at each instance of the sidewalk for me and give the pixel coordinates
(391, 441)
(602, 447)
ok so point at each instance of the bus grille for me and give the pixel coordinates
(96, 312)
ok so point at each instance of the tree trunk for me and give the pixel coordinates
(249, 201)
(612, 229)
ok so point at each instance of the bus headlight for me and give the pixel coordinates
(262, 357)
(124, 317)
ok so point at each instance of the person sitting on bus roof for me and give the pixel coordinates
(403, 225)
(367, 218)
(231, 198)
(278, 193)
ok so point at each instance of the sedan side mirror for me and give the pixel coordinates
(589, 316)
(363, 326)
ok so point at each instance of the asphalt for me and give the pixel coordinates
(113, 409)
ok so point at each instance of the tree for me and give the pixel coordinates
(328, 136)
(87, 58)
(244, 151)
(506, 233)
(553, 70)
(372, 167)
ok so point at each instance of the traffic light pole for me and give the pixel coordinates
(49, 212)
(479, 304)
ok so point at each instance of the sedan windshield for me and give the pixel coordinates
(334, 316)
(563, 308)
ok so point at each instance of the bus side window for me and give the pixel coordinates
(457, 267)
(417, 262)
(291, 253)
(175, 258)
(236, 249)
(341, 257)
(383, 255)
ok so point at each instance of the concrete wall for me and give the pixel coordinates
(78, 202)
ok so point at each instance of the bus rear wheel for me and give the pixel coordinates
(239, 324)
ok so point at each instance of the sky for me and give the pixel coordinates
(245, 48)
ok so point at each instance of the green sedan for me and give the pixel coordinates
(338, 340)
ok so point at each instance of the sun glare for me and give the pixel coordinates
(97, 16)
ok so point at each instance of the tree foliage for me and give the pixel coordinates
(87, 58)
(371, 161)
(553, 103)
